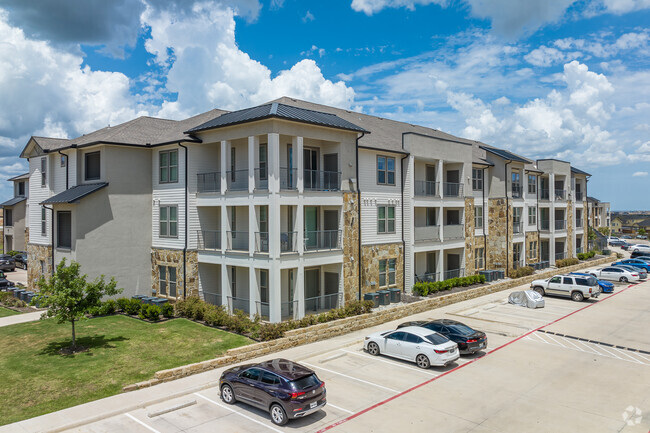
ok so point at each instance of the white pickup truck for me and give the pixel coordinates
(575, 287)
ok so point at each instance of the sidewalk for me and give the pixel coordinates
(20, 318)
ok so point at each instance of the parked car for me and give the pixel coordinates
(637, 263)
(640, 255)
(415, 344)
(285, 388)
(575, 287)
(612, 238)
(641, 237)
(21, 260)
(605, 286)
(612, 273)
(469, 340)
(616, 243)
(7, 263)
(626, 237)
(643, 274)
(641, 248)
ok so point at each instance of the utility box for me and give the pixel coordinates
(384, 297)
(374, 297)
(395, 295)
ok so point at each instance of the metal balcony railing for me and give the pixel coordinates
(322, 240)
(289, 310)
(453, 231)
(213, 298)
(319, 180)
(427, 277)
(208, 240)
(261, 242)
(262, 308)
(288, 178)
(517, 227)
(427, 233)
(261, 178)
(544, 225)
(452, 189)
(237, 241)
(578, 195)
(288, 242)
(543, 194)
(560, 256)
(209, 182)
(323, 303)
(560, 194)
(579, 223)
(426, 188)
(238, 304)
(237, 180)
(516, 190)
(560, 224)
(453, 273)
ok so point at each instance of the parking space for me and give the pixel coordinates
(559, 368)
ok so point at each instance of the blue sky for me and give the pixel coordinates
(546, 78)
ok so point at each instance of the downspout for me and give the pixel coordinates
(507, 217)
(186, 228)
(66, 168)
(51, 209)
(539, 235)
(403, 240)
(484, 218)
(359, 206)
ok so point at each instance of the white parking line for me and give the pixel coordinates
(339, 408)
(350, 377)
(568, 340)
(516, 316)
(141, 423)
(238, 413)
(375, 358)
(628, 355)
(613, 354)
(554, 340)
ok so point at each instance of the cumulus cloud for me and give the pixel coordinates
(370, 7)
(545, 56)
(640, 174)
(308, 17)
(617, 7)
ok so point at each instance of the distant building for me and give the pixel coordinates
(15, 229)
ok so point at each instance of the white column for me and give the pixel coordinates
(440, 177)
(252, 229)
(300, 227)
(253, 291)
(253, 145)
(225, 286)
(299, 293)
(273, 150)
(275, 294)
(274, 216)
(225, 225)
(440, 269)
(298, 159)
(225, 163)
(551, 251)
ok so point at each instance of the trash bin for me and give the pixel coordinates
(18, 292)
(159, 301)
(148, 299)
(395, 295)
(29, 297)
(384, 297)
(138, 297)
(38, 299)
(374, 297)
(607, 252)
(25, 294)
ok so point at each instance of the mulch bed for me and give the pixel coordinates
(407, 299)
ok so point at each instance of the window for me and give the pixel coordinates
(412, 338)
(21, 189)
(478, 217)
(43, 269)
(270, 378)
(9, 217)
(385, 170)
(43, 221)
(64, 160)
(233, 281)
(387, 272)
(252, 374)
(167, 278)
(477, 179)
(168, 166)
(382, 273)
(264, 286)
(431, 216)
(516, 184)
(92, 160)
(386, 219)
(391, 271)
(64, 229)
(555, 280)
(43, 172)
(232, 164)
(478, 258)
(532, 249)
(263, 161)
(168, 222)
(171, 273)
(400, 336)
(532, 184)
(567, 280)
(162, 272)
(532, 216)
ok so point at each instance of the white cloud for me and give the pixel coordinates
(545, 56)
(370, 7)
(640, 174)
(619, 7)
(308, 17)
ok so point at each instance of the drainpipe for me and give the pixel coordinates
(359, 205)
(66, 168)
(186, 228)
(51, 209)
(403, 241)
(539, 236)
(507, 216)
(484, 218)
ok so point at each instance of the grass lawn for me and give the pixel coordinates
(36, 379)
(4, 312)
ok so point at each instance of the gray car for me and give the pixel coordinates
(7, 263)
(643, 274)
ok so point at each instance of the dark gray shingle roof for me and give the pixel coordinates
(76, 193)
(20, 177)
(13, 201)
(578, 171)
(505, 154)
(279, 111)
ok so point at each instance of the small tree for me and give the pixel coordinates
(70, 296)
(591, 235)
(604, 230)
(642, 231)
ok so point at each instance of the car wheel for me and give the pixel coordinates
(373, 349)
(278, 416)
(227, 394)
(577, 296)
(422, 361)
(539, 290)
(623, 280)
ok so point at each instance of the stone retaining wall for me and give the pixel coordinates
(327, 330)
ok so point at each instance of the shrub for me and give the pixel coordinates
(94, 311)
(271, 331)
(216, 316)
(13, 253)
(107, 308)
(521, 272)
(566, 262)
(239, 322)
(121, 303)
(8, 300)
(582, 256)
(192, 308)
(132, 307)
(149, 312)
(167, 310)
(427, 288)
(591, 253)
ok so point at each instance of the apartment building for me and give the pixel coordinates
(291, 208)
(15, 230)
(599, 213)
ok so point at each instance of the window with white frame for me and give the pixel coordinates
(385, 170)
(387, 272)
(167, 281)
(43, 171)
(92, 165)
(532, 184)
(43, 221)
(477, 179)
(168, 221)
(478, 217)
(168, 166)
(532, 216)
(532, 249)
(386, 219)
(64, 160)
(478, 258)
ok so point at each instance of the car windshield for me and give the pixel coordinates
(305, 382)
(461, 329)
(436, 339)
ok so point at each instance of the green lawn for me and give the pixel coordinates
(36, 379)
(4, 312)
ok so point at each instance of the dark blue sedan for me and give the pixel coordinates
(637, 263)
(605, 286)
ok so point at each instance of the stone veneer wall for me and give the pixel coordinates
(497, 241)
(585, 226)
(470, 239)
(174, 258)
(350, 246)
(36, 254)
(532, 237)
(26, 235)
(372, 254)
(569, 228)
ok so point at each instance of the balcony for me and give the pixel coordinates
(209, 182)
(560, 195)
(322, 240)
(427, 233)
(288, 178)
(208, 240)
(452, 189)
(543, 194)
(544, 225)
(212, 296)
(322, 303)
(560, 224)
(578, 250)
(261, 242)
(319, 180)
(516, 190)
(289, 310)
(578, 195)
(239, 304)
(453, 273)
(427, 278)
(517, 227)
(288, 242)
(516, 264)
(453, 231)
(237, 180)
(426, 188)
(237, 241)
(262, 309)
(261, 179)
(579, 223)
(560, 256)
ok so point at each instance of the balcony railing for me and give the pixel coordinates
(578, 250)
(289, 310)
(517, 227)
(543, 194)
(237, 180)
(426, 188)
(288, 178)
(237, 241)
(544, 225)
(213, 298)
(322, 240)
(516, 264)
(209, 182)
(560, 194)
(453, 273)
(427, 233)
(288, 242)
(261, 178)
(261, 242)
(323, 303)
(319, 180)
(560, 256)
(262, 308)
(238, 304)
(452, 189)
(579, 223)
(208, 240)
(516, 190)
(427, 277)
(560, 224)
(453, 231)
(578, 195)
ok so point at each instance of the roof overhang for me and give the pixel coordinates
(75, 194)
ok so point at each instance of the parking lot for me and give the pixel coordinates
(567, 367)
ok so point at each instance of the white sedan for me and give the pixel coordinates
(615, 273)
(640, 247)
(413, 343)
